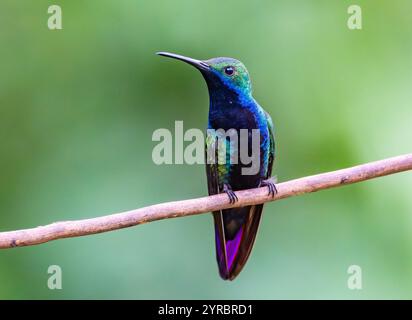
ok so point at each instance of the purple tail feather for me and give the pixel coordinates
(235, 233)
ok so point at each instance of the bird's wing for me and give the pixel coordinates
(211, 158)
(214, 187)
(271, 128)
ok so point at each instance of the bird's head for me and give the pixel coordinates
(220, 73)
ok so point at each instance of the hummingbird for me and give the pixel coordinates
(232, 107)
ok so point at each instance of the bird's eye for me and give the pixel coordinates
(229, 70)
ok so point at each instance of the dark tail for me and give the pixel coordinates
(235, 232)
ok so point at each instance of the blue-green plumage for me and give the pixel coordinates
(232, 107)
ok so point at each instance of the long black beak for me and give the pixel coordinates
(199, 64)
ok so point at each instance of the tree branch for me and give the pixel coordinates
(68, 229)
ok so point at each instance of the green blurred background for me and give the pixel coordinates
(78, 107)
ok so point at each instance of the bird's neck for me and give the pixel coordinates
(230, 110)
(229, 106)
(223, 97)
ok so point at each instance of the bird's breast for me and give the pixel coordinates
(238, 119)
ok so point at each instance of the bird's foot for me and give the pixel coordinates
(271, 184)
(232, 196)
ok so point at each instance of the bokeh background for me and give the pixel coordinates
(78, 108)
